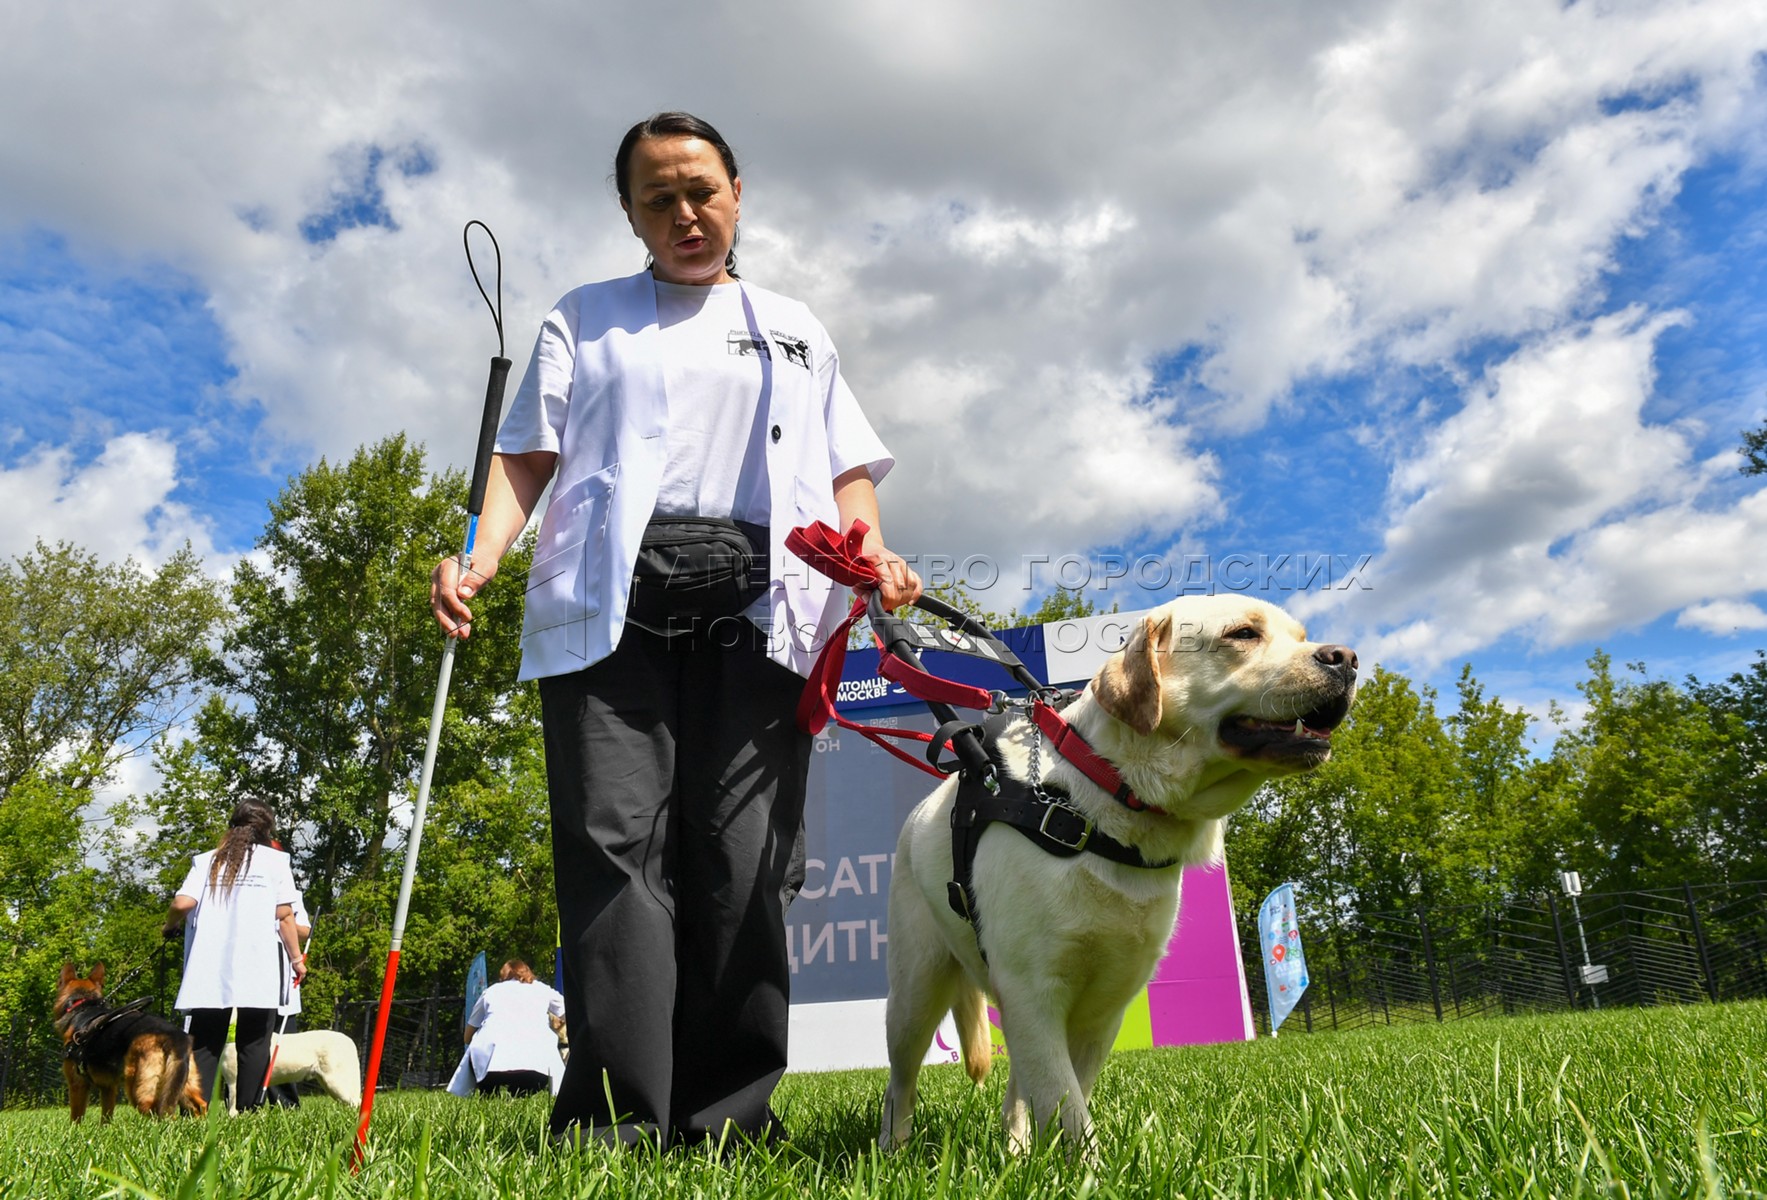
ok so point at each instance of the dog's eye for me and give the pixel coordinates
(1243, 633)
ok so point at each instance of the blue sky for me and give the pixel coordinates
(1478, 294)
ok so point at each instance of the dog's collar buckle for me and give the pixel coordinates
(1066, 820)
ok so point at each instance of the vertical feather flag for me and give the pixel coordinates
(476, 978)
(1285, 967)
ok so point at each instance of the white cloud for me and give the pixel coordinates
(1008, 216)
(1549, 507)
(116, 506)
(1724, 618)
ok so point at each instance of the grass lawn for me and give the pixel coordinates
(1656, 1102)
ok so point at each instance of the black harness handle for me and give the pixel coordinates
(905, 640)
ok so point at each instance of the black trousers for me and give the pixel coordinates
(676, 771)
(251, 1034)
(514, 1083)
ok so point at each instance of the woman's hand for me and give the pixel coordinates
(181, 906)
(449, 592)
(300, 969)
(856, 499)
(511, 491)
(897, 582)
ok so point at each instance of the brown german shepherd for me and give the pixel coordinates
(107, 1048)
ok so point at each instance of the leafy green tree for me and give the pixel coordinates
(187, 811)
(485, 879)
(1368, 830)
(1754, 451)
(1738, 708)
(336, 657)
(1645, 766)
(1063, 604)
(57, 905)
(1510, 817)
(97, 660)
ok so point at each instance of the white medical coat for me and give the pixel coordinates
(513, 1035)
(594, 394)
(232, 953)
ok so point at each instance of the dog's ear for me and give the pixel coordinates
(68, 974)
(1128, 685)
(97, 976)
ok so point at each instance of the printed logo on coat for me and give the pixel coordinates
(741, 341)
(796, 350)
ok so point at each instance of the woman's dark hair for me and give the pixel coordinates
(515, 968)
(666, 125)
(252, 824)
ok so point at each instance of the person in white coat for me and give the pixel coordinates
(238, 900)
(678, 401)
(512, 1037)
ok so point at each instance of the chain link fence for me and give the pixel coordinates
(1686, 945)
(1681, 945)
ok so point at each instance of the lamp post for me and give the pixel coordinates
(1592, 974)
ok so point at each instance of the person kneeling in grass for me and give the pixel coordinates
(512, 1037)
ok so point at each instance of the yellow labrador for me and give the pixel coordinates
(322, 1054)
(1210, 697)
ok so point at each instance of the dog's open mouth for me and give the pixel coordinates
(1303, 738)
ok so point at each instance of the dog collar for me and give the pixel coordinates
(1094, 766)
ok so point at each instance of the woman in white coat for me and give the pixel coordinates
(238, 900)
(512, 1037)
(684, 418)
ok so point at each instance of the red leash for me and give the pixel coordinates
(837, 557)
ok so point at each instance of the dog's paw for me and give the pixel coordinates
(892, 1134)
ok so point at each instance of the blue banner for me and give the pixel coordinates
(475, 984)
(1285, 967)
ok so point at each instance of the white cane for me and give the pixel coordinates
(494, 388)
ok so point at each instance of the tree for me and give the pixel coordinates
(336, 656)
(57, 906)
(486, 882)
(1510, 816)
(1738, 707)
(1367, 831)
(96, 660)
(1754, 451)
(1063, 604)
(1644, 768)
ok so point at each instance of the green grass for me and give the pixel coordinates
(1659, 1102)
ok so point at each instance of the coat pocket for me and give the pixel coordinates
(565, 582)
(815, 504)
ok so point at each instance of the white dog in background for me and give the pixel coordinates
(1211, 697)
(324, 1055)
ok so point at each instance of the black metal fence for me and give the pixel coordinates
(424, 1039)
(1674, 946)
(1682, 945)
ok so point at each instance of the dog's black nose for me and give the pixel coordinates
(1336, 656)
